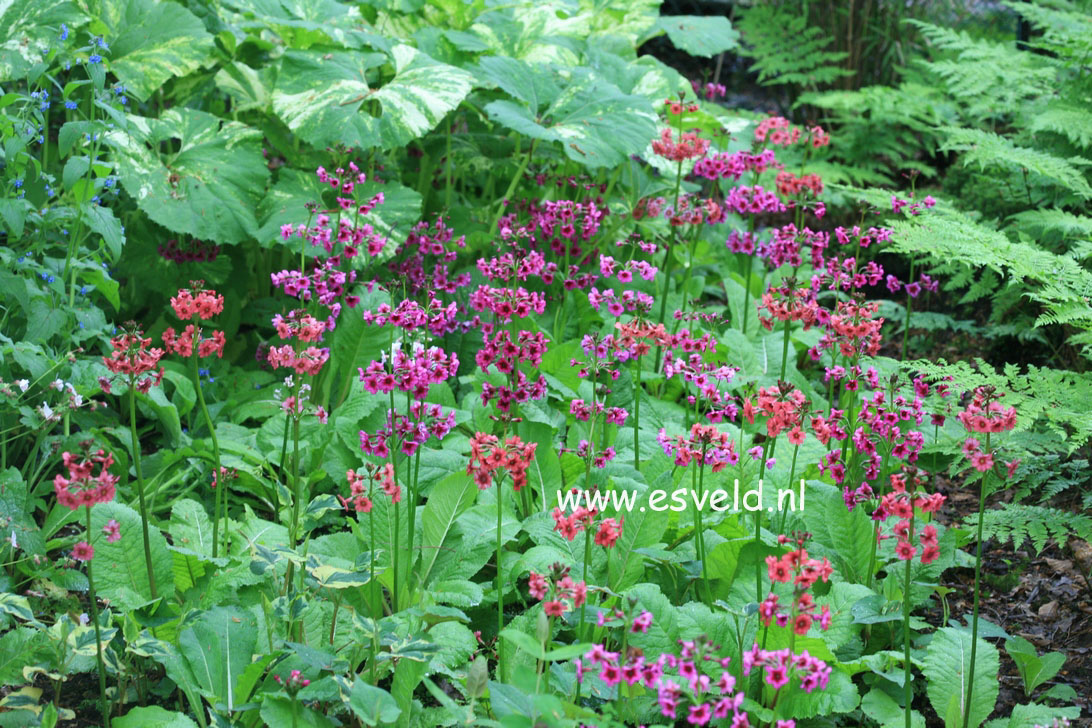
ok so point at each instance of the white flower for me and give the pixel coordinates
(14, 541)
(84, 619)
(57, 384)
(77, 400)
(46, 411)
(22, 384)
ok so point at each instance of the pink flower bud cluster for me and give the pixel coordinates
(132, 357)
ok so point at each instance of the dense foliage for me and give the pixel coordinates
(431, 362)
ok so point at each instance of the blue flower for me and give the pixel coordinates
(84, 290)
(64, 32)
(94, 58)
(71, 105)
(18, 183)
(102, 43)
(123, 100)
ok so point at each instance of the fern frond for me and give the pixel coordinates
(989, 150)
(787, 50)
(1066, 224)
(990, 78)
(1072, 122)
(1021, 523)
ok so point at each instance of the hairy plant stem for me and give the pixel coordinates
(218, 495)
(140, 488)
(104, 704)
(977, 583)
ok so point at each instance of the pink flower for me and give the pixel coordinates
(699, 714)
(83, 551)
(112, 530)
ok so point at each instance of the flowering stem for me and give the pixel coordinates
(701, 528)
(103, 704)
(215, 448)
(376, 604)
(909, 692)
(792, 474)
(977, 576)
(500, 582)
(397, 531)
(784, 352)
(669, 259)
(296, 497)
(906, 326)
(584, 578)
(636, 413)
(140, 487)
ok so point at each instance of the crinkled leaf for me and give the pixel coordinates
(597, 124)
(325, 98)
(30, 29)
(446, 502)
(209, 188)
(151, 41)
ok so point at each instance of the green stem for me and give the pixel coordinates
(792, 475)
(909, 691)
(140, 487)
(977, 577)
(513, 184)
(500, 581)
(637, 413)
(104, 705)
(906, 328)
(701, 532)
(397, 529)
(215, 446)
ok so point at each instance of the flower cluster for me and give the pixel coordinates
(488, 454)
(607, 532)
(705, 445)
(900, 503)
(557, 590)
(412, 372)
(688, 146)
(81, 488)
(985, 414)
(132, 357)
(796, 567)
(195, 304)
(195, 251)
(360, 486)
(408, 432)
(780, 665)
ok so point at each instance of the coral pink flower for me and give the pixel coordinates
(83, 551)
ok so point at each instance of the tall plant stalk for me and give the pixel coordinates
(977, 583)
(104, 704)
(140, 488)
(218, 495)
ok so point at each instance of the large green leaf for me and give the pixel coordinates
(598, 125)
(151, 41)
(700, 36)
(208, 188)
(218, 645)
(120, 572)
(320, 97)
(304, 23)
(154, 717)
(447, 501)
(29, 30)
(947, 666)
